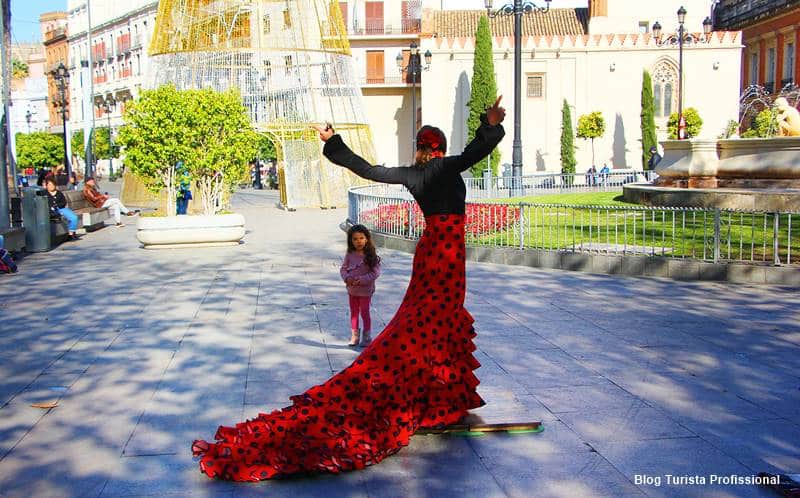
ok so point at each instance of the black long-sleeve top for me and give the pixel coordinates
(436, 185)
(57, 201)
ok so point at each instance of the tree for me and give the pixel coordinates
(693, 123)
(765, 124)
(483, 92)
(155, 136)
(648, 115)
(591, 126)
(102, 144)
(265, 148)
(19, 69)
(224, 144)
(39, 150)
(567, 144)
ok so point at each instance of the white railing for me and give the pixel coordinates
(714, 235)
(554, 183)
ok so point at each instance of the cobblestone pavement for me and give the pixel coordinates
(146, 350)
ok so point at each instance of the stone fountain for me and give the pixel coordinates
(761, 174)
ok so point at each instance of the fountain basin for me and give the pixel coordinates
(749, 174)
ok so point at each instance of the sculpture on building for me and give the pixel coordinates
(788, 118)
(291, 61)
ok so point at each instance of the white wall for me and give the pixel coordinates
(582, 76)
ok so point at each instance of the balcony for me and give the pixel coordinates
(385, 81)
(137, 42)
(786, 81)
(55, 33)
(375, 27)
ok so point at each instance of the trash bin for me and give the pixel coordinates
(36, 220)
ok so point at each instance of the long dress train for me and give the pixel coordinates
(417, 373)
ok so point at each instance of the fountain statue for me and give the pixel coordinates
(760, 171)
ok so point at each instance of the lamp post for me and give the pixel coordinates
(61, 75)
(107, 105)
(680, 38)
(414, 67)
(516, 9)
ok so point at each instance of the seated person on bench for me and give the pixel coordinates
(98, 200)
(58, 207)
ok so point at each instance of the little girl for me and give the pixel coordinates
(359, 270)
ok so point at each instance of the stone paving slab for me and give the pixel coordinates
(630, 376)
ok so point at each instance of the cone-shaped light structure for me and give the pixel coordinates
(291, 61)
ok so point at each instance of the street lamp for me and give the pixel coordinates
(680, 38)
(516, 9)
(107, 105)
(61, 75)
(414, 67)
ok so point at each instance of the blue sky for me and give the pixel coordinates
(25, 17)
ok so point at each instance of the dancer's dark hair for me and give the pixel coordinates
(432, 142)
(370, 255)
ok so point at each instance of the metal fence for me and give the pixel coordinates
(714, 235)
(551, 183)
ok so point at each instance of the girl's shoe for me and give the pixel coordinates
(366, 339)
(353, 338)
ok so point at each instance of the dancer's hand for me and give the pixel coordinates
(325, 132)
(496, 114)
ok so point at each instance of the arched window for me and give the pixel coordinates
(665, 80)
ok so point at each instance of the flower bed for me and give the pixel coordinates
(481, 219)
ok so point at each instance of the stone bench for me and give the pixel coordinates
(89, 217)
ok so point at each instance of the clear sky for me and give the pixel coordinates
(25, 17)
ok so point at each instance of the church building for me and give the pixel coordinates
(593, 58)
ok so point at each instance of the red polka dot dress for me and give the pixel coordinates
(417, 373)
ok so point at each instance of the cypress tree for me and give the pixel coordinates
(648, 115)
(483, 92)
(567, 144)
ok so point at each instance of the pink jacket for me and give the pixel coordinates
(354, 266)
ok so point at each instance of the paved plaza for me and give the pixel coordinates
(145, 351)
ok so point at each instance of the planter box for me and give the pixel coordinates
(190, 231)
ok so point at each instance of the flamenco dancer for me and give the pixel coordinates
(417, 374)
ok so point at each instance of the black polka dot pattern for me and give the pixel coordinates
(417, 373)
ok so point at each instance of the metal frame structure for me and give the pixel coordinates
(291, 62)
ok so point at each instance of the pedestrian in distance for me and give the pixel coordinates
(360, 268)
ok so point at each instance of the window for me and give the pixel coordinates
(375, 68)
(287, 19)
(788, 64)
(536, 86)
(770, 76)
(665, 79)
(266, 23)
(343, 8)
(288, 61)
(753, 68)
(644, 27)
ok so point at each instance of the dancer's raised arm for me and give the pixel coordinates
(487, 137)
(339, 153)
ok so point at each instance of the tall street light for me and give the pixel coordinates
(107, 105)
(414, 68)
(61, 75)
(680, 38)
(517, 9)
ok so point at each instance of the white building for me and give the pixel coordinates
(112, 67)
(594, 58)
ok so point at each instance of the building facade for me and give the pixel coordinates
(771, 36)
(56, 48)
(594, 59)
(109, 70)
(379, 33)
(28, 111)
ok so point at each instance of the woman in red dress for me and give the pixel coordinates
(418, 373)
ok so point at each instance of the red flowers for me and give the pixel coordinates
(429, 138)
(481, 219)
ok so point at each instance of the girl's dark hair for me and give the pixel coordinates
(50, 180)
(370, 255)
